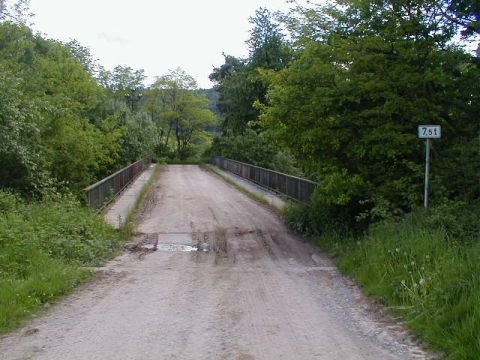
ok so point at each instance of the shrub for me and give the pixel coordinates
(43, 249)
(252, 148)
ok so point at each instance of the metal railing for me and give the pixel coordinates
(104, 191)
(292, 186)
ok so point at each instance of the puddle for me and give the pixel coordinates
(171, 247)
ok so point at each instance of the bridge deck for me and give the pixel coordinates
(253, 290)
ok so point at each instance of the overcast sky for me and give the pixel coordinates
(154, 35)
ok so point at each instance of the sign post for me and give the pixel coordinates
(428, 132)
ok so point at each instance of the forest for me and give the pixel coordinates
(332, 92)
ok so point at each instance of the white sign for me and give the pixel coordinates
(429, 131)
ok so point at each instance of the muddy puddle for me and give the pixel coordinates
(170, 247)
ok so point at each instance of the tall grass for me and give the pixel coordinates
(425, 266)
(428, 277)
(44, 248)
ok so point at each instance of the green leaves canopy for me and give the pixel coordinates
(349, 105)
(53, 129)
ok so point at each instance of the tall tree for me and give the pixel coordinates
(367, 73)
(464, 13)
(236, 94)
(17, 11)
(84, 55)
(183, 110)
(267, 45)
(53, 129)
(237, 80)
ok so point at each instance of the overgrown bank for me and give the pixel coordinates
(425, 267)
(44, 248)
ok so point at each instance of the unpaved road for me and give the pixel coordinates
(256, 292)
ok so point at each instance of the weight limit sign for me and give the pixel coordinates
(428, 132)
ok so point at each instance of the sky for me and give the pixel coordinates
(154, 35)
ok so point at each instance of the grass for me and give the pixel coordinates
(191, 160)
(428, 278)
(44, 248)
(128, 228)
(257, 197)
(184, 161)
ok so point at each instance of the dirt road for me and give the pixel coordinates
(252, 290)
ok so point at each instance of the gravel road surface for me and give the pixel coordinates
(213, 275)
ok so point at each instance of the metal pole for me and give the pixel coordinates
(427, 171)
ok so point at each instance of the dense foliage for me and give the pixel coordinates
(349, 104)
(43, 247)
(66, 122)
(426, 278)
(360, 77)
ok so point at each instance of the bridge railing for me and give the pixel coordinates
(104, 191)
(292, 186)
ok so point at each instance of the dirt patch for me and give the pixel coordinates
(143, 245)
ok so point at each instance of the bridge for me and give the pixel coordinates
(212, 274)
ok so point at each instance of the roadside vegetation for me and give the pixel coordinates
(65, 123)
(334, 92)
(44, 249)
(425, 266)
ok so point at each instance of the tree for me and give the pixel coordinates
(54, 130)
(464, 13)
(236, 94)
(20, 168)
(84, 55)
(267, 45)
(237, 80)
(366, 74)
(123, 84)
(182, 111)
(18, 12)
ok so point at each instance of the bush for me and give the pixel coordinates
(252, 148)
(459, 220)
(319, 216)
(43, 247)
(9, 202)
(428, 276)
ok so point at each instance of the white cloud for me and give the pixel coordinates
(111, 38)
